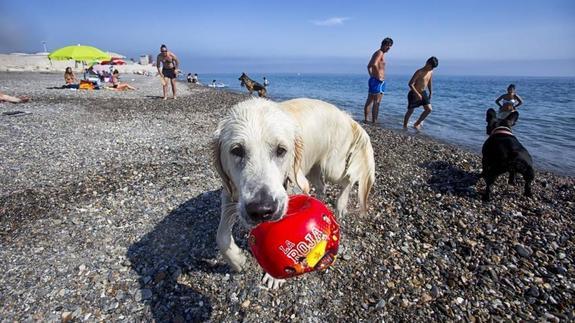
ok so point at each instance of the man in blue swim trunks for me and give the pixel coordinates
(376, 70)
(417, 95)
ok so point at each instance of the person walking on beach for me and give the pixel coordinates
(376, 70)
(266, 82)
(508, 102)
(417, 95)
(169, 63)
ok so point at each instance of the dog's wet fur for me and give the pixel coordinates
(502, 153)
(252, 85)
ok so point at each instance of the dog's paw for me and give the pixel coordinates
(272, 283)
(237, 261)
(340, 214)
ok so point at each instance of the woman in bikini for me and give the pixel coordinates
(508, 102)
(70, 79)
(169, 63)
(120, 86)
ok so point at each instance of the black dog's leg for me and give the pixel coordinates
(528, 192)
(511, 177)
(526, 170)
(489, 180)
(529, 175)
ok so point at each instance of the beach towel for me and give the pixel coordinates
(86, 85)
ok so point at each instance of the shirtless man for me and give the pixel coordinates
(376, 70)
(169, 63)
(417, 95)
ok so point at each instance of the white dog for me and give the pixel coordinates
(263, 147)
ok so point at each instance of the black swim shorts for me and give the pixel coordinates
(169, 73)
(413, 100)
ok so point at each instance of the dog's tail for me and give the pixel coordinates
(361, 165)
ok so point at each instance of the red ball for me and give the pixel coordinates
(304, 240)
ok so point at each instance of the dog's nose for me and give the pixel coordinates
(262, 206)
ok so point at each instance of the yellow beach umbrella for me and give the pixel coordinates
(79, 53)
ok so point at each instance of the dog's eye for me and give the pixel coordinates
(238, 151)
(281, 151)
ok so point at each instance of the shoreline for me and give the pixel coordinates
(109, 207)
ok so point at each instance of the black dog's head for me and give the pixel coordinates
(493, 122)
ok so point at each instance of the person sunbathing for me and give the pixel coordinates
(70, 79)
(13, 99)
(116, 85)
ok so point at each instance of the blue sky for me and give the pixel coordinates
(469, 37)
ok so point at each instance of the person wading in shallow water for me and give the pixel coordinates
(376, 70)
(508, 102)
(418, 96)
(169, 63)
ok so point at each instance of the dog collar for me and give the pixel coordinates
(501, 131)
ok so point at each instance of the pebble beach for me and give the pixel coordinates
(109, 206)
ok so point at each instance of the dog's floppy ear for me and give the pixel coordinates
(298, 175)
(512, 118)
(490, 115)
(216, 150)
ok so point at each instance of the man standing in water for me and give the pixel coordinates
(169, 63)
(376, 70)
(417, 95)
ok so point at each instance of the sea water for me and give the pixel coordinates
(546, 125)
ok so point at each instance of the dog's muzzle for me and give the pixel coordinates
(263, 207)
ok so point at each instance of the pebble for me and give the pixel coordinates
(523, 251)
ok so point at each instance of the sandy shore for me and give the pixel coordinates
(109, 206)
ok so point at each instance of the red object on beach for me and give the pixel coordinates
(114, 61)
(305, 239)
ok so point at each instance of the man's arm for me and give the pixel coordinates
(158, 63)
(175, 60)
(412, 84)
(372, 66)
(429, 86)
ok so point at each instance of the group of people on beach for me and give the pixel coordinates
(419, 86)
(419, 95)
(94, 80)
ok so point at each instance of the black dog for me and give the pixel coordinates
(252, 85)
(502, 153)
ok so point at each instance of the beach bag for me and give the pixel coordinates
(86, 85)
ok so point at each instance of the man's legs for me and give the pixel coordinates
(165, 88)
(375, 110)
(174, 87)
(408, 114)
(368, 103)
(424, 114)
